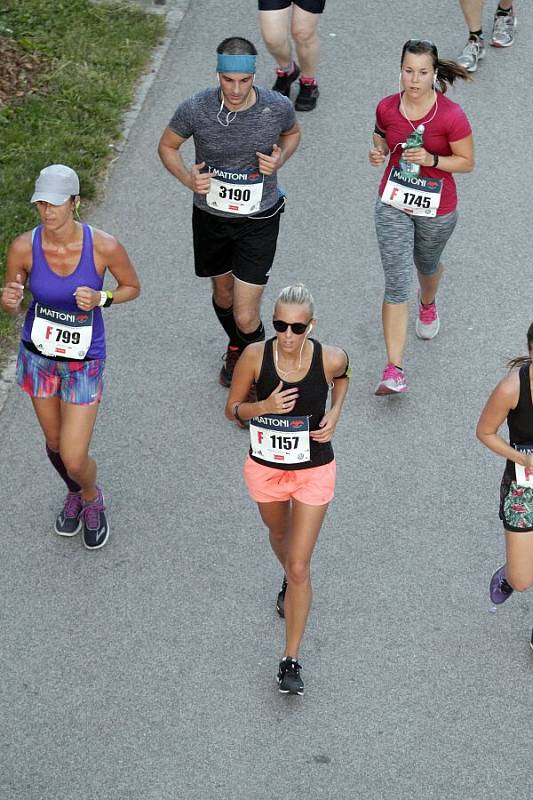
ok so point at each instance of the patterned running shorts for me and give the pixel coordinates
(76, 382)
(516, 506)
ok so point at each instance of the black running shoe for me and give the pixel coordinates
(285, 79)
(230, 359)
(289, 680)
(95, 524)
(68, 522)
(307, 97)
(280, 603)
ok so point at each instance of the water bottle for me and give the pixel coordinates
(416, 139)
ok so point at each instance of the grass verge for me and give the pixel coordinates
(90, 58)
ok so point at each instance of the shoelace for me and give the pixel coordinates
(472, 48)
(428, 314)
(391, 372)
(505, 586)
(72, 505)
(293, 666)
(501, 23)
(90, 513)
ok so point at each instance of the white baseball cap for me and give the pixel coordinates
(56, 184)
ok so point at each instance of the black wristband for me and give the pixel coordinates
(435, 159)
(109, 299)
(236, 411)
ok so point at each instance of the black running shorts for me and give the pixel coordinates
(313, 6)
(245, 246)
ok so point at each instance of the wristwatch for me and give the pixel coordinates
(106, 298)
(435, 159)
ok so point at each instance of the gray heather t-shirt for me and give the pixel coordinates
(237, 187)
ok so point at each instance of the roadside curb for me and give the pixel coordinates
(174, 13)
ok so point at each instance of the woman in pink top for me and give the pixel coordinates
(416, 208)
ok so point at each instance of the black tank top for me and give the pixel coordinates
(520, 419)
(312, 398)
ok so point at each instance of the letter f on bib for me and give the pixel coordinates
(259, 437)
(49, 330)
(393, 193)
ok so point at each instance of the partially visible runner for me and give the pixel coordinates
(416, 214)
(503, 30)
(281, 19)
(512, 399)
(242, 136)
(62, 354)
(290, 470)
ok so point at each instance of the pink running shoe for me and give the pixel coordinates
(392, 381)
(427, 322)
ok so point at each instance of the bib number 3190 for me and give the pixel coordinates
(236, 198)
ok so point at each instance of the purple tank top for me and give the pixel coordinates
(57, 292)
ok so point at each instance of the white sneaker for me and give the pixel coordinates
(427, 321)
(473, 52)
(503, 31)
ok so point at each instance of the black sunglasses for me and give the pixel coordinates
(297, 327)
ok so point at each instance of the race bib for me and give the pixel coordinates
(418, 195)
(524, 476)
(62, 333)
(280, 439)
(235, 192)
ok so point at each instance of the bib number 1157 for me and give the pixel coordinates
(280, 439)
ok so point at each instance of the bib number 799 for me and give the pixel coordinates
(67, 337)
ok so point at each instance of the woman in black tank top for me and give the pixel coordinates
(512, 399)
(290, 469)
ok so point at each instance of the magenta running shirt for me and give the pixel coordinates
(450, 124)
(57, 292)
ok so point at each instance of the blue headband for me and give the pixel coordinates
(230, 63)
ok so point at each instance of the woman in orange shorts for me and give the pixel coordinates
(290, 470)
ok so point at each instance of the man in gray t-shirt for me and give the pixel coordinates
(242, 135)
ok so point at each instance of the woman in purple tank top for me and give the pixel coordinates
(62, 353)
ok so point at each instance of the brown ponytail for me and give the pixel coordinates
(448, 72)
(519, 361)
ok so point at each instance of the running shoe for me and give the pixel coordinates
(499, 589)
(392, 381)
(427, 321)
(230, 359)
(285, 79)
(473, 53)
(68, 522)
(280, 602)
(95, 524)
(307, 97)
(289, 680)
(503, 32)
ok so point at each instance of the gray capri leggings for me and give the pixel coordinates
(402, 239)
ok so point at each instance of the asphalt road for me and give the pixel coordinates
(145, 671)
